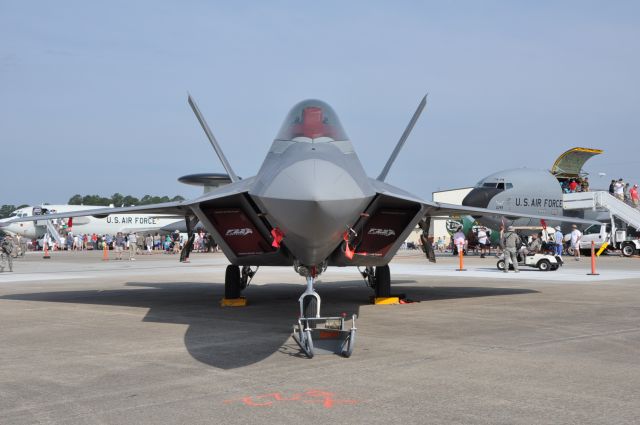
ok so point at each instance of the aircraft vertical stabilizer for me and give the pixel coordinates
(232, 175)
(403, 138)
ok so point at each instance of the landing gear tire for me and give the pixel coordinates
(500, 265)
(628, 250)
(383, 281)
(232, 283)
(310, 309)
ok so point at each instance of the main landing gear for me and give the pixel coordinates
(329, 333)
(379, 279)
(236, 280)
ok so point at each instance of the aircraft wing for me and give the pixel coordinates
(234, 221)
(439, 209)
(178, 209)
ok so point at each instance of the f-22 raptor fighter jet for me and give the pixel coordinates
(310, 206)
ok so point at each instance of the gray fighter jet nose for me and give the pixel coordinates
(313, 180)
(313, 202)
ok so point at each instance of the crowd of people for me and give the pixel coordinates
(478, 241)
(143, 243)
(580, 184)
(624, 192)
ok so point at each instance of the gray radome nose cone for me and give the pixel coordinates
(313, 180)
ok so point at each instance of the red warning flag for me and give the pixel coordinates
(543, 224)
(277, 237)
(70, 223)
(348, 252)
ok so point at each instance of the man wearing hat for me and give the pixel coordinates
(510, 243)
(576, 235)
(558, 237)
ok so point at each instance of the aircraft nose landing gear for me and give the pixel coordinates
(329, 333)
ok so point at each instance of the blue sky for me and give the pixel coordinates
(93, 95)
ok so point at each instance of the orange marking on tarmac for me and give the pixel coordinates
(327, 399)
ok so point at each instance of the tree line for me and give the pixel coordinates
(120, 200)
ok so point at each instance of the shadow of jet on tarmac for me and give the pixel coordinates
(235, 337)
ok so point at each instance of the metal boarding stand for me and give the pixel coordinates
(330, 338)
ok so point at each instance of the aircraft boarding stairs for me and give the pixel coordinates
(52, 230)
(603, 200)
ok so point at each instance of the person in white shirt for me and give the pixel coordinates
(618, 189)
(459, 239)
(482, 240)
(576, 235)
(133, 246)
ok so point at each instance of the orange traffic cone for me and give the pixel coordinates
(461, 258)
(105, 252)
(46, 251)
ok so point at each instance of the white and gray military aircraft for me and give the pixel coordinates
(111, 224)
(532, 191)
(310, 206)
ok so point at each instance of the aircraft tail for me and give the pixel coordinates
(232, 175)
(403, 138)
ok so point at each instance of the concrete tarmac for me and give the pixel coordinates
(84, 341)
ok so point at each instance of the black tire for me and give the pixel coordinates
(500, 265)
(310, 309)
(628, 250)
(544, 265)
(232, 287)
(383, 281)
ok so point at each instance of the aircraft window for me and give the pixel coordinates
(508, 186)
(500, 186)
(489, 185)
(312, 119)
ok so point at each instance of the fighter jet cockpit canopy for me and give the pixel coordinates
(312, 119)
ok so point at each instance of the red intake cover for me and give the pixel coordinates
(382, 230)
(239, 232)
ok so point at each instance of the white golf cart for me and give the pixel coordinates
(544, 262)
